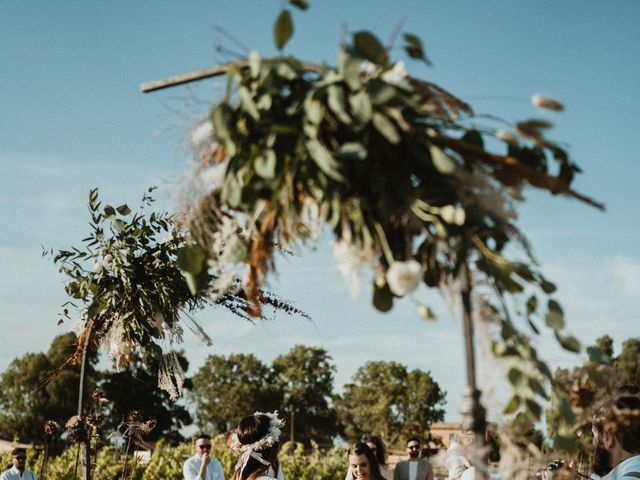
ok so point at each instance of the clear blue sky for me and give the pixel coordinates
(72, 118)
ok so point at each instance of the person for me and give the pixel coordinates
(363, 463)
(414, 468)
(616, 439)
(456, 461)
(257, 440)
(379, 451)
(201, 466)
(19, 470)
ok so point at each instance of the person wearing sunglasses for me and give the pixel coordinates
(19, 470)
(201, 466)
(414, 468)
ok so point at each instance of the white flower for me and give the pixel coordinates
(404, 277)
(213, 177)
(203, 134)
(310, 218)
(397, 75)
(549, 103)
(350, 260)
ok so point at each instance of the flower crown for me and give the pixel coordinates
(272, 436)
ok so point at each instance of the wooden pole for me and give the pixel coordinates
(86, 442)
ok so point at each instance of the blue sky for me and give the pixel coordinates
(72, 118)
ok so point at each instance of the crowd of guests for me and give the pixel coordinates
(616, 439)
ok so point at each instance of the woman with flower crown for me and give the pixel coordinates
(257, 441)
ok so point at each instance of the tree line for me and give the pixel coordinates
(382, 397)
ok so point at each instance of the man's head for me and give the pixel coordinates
(413, 448)
(19, 458)
(616, 432)
(202, 444)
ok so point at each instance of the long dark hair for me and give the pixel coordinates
(381, 451)
(250, 430)
(361, 448)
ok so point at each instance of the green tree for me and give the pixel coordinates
(226, 389)
(387, 400)
(627, 364)
(304, 376)
(27, 400)
(136, 389)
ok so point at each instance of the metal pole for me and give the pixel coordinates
(473, 413)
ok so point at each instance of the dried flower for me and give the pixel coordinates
(397, 75)
(506, 137)
(549, 103)
(350, 259)
(404, 277)
(51, 428)
(203, 133)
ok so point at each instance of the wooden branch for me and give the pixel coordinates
(538, 179)
(194, 76)
(210, 72)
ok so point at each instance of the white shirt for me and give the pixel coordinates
(14, 474)
(191, 468)
(413, 470)
(630, 465)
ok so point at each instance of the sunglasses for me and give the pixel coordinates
(204, 447)
(414, 447)
(20, 457)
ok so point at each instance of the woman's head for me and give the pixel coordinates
(257, 440)
(377, 446)
(363, 463)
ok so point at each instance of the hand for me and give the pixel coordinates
(205, 458)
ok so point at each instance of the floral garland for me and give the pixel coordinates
(270, 439)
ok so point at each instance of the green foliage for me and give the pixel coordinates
(27, 400)
(298, 462)
(387, 400)
(137, 390)
(401, 171)
(304, 376)
(136, 277)
(579, 390)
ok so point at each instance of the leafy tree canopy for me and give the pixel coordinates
(386, 399)
(304, 377)
(27, 400)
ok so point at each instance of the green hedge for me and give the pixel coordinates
(166, 463)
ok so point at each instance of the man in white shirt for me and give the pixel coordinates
(201, 466)
(414, 468)
(18, 471)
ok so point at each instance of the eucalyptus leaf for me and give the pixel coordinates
(513, 405)
(369, 47)
(598, 356)
(265, 164)
(118, 225)
(254, 63)
(386, 127)
(336, 102)
(414, 49)
(283, 29)
(534, 408)
(353, 151)
(221, 118)
(569, 343)
(515, 376)
(123, 209)
(566, 412)
(441, 161)
(109, 211)
(191, 259)
(382, 298)
(360, 104)
(324, 159)
(537, 387)
(554, 317)
(301, 4)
